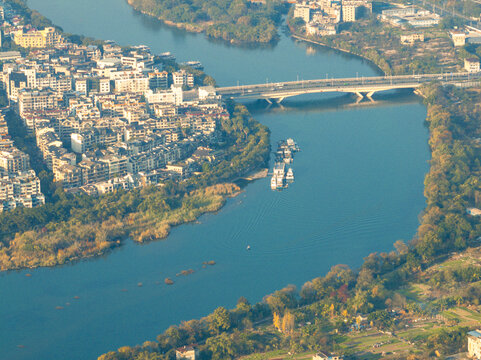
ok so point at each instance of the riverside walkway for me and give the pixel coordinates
(361, 86)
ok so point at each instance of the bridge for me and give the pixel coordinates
(361, 86)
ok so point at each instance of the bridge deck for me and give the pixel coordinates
(357, 85)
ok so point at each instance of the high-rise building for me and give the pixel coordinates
(349, 13)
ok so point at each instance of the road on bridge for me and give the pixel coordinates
(358, 85)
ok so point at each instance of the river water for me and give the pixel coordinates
(358, 188)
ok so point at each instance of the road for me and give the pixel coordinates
(358, 85)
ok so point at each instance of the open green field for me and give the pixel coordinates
(463, 316)
(279, 354)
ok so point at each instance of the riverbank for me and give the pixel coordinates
(31, 249)
(241, 23)
(380, 43)
(194, 28)
(317, 42)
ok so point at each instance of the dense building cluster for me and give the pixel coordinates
(19, 186)
(410, 16)
(322, 17)
(104, 117)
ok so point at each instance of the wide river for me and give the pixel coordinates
(358, 188)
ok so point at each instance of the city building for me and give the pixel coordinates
(303, 11)
(471, 64)
(134, 84)
(10, 55)
(474, 344)
(159, 80)
(410, 39)
(13, 160)
(458, 37)
(187, 353)
(410, 16)
(29, 100)
(32, 38)
(182, 78)
(349, 13)
(20, 190)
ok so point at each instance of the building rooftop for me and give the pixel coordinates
(475, 333)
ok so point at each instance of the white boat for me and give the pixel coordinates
(280, 181)
(193, 64)
(292, 145)
(290, 175)
(167, 56)
(274, 183)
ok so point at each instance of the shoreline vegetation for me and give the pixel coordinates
(70, 227)
(237, 22)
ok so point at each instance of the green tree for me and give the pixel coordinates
(219, 320)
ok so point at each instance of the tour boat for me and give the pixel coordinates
(274, 183)
(290, 174)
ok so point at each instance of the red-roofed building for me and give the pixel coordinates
(189, 352)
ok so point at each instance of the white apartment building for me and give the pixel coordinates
(474, 344)
(458, 37)
(22, 189)
(349, 13)
(182, 78)
(104, 86)
(13, 161)
(303, 11)
(471, 64)
(29, 100)
(138, 84)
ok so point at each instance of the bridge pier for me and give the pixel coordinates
(274, 100)
(370, 94)
(360, 96)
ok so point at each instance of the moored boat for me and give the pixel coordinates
(290, 175)
(274, 183)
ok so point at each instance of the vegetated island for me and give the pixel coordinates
(417, 302)
(238, 21)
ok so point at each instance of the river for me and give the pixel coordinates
(358, 188)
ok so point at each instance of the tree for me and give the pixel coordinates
(282, 299)
(219, 320)
(401, 247)
(288, 323)
(276, 321)
(222, 347)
